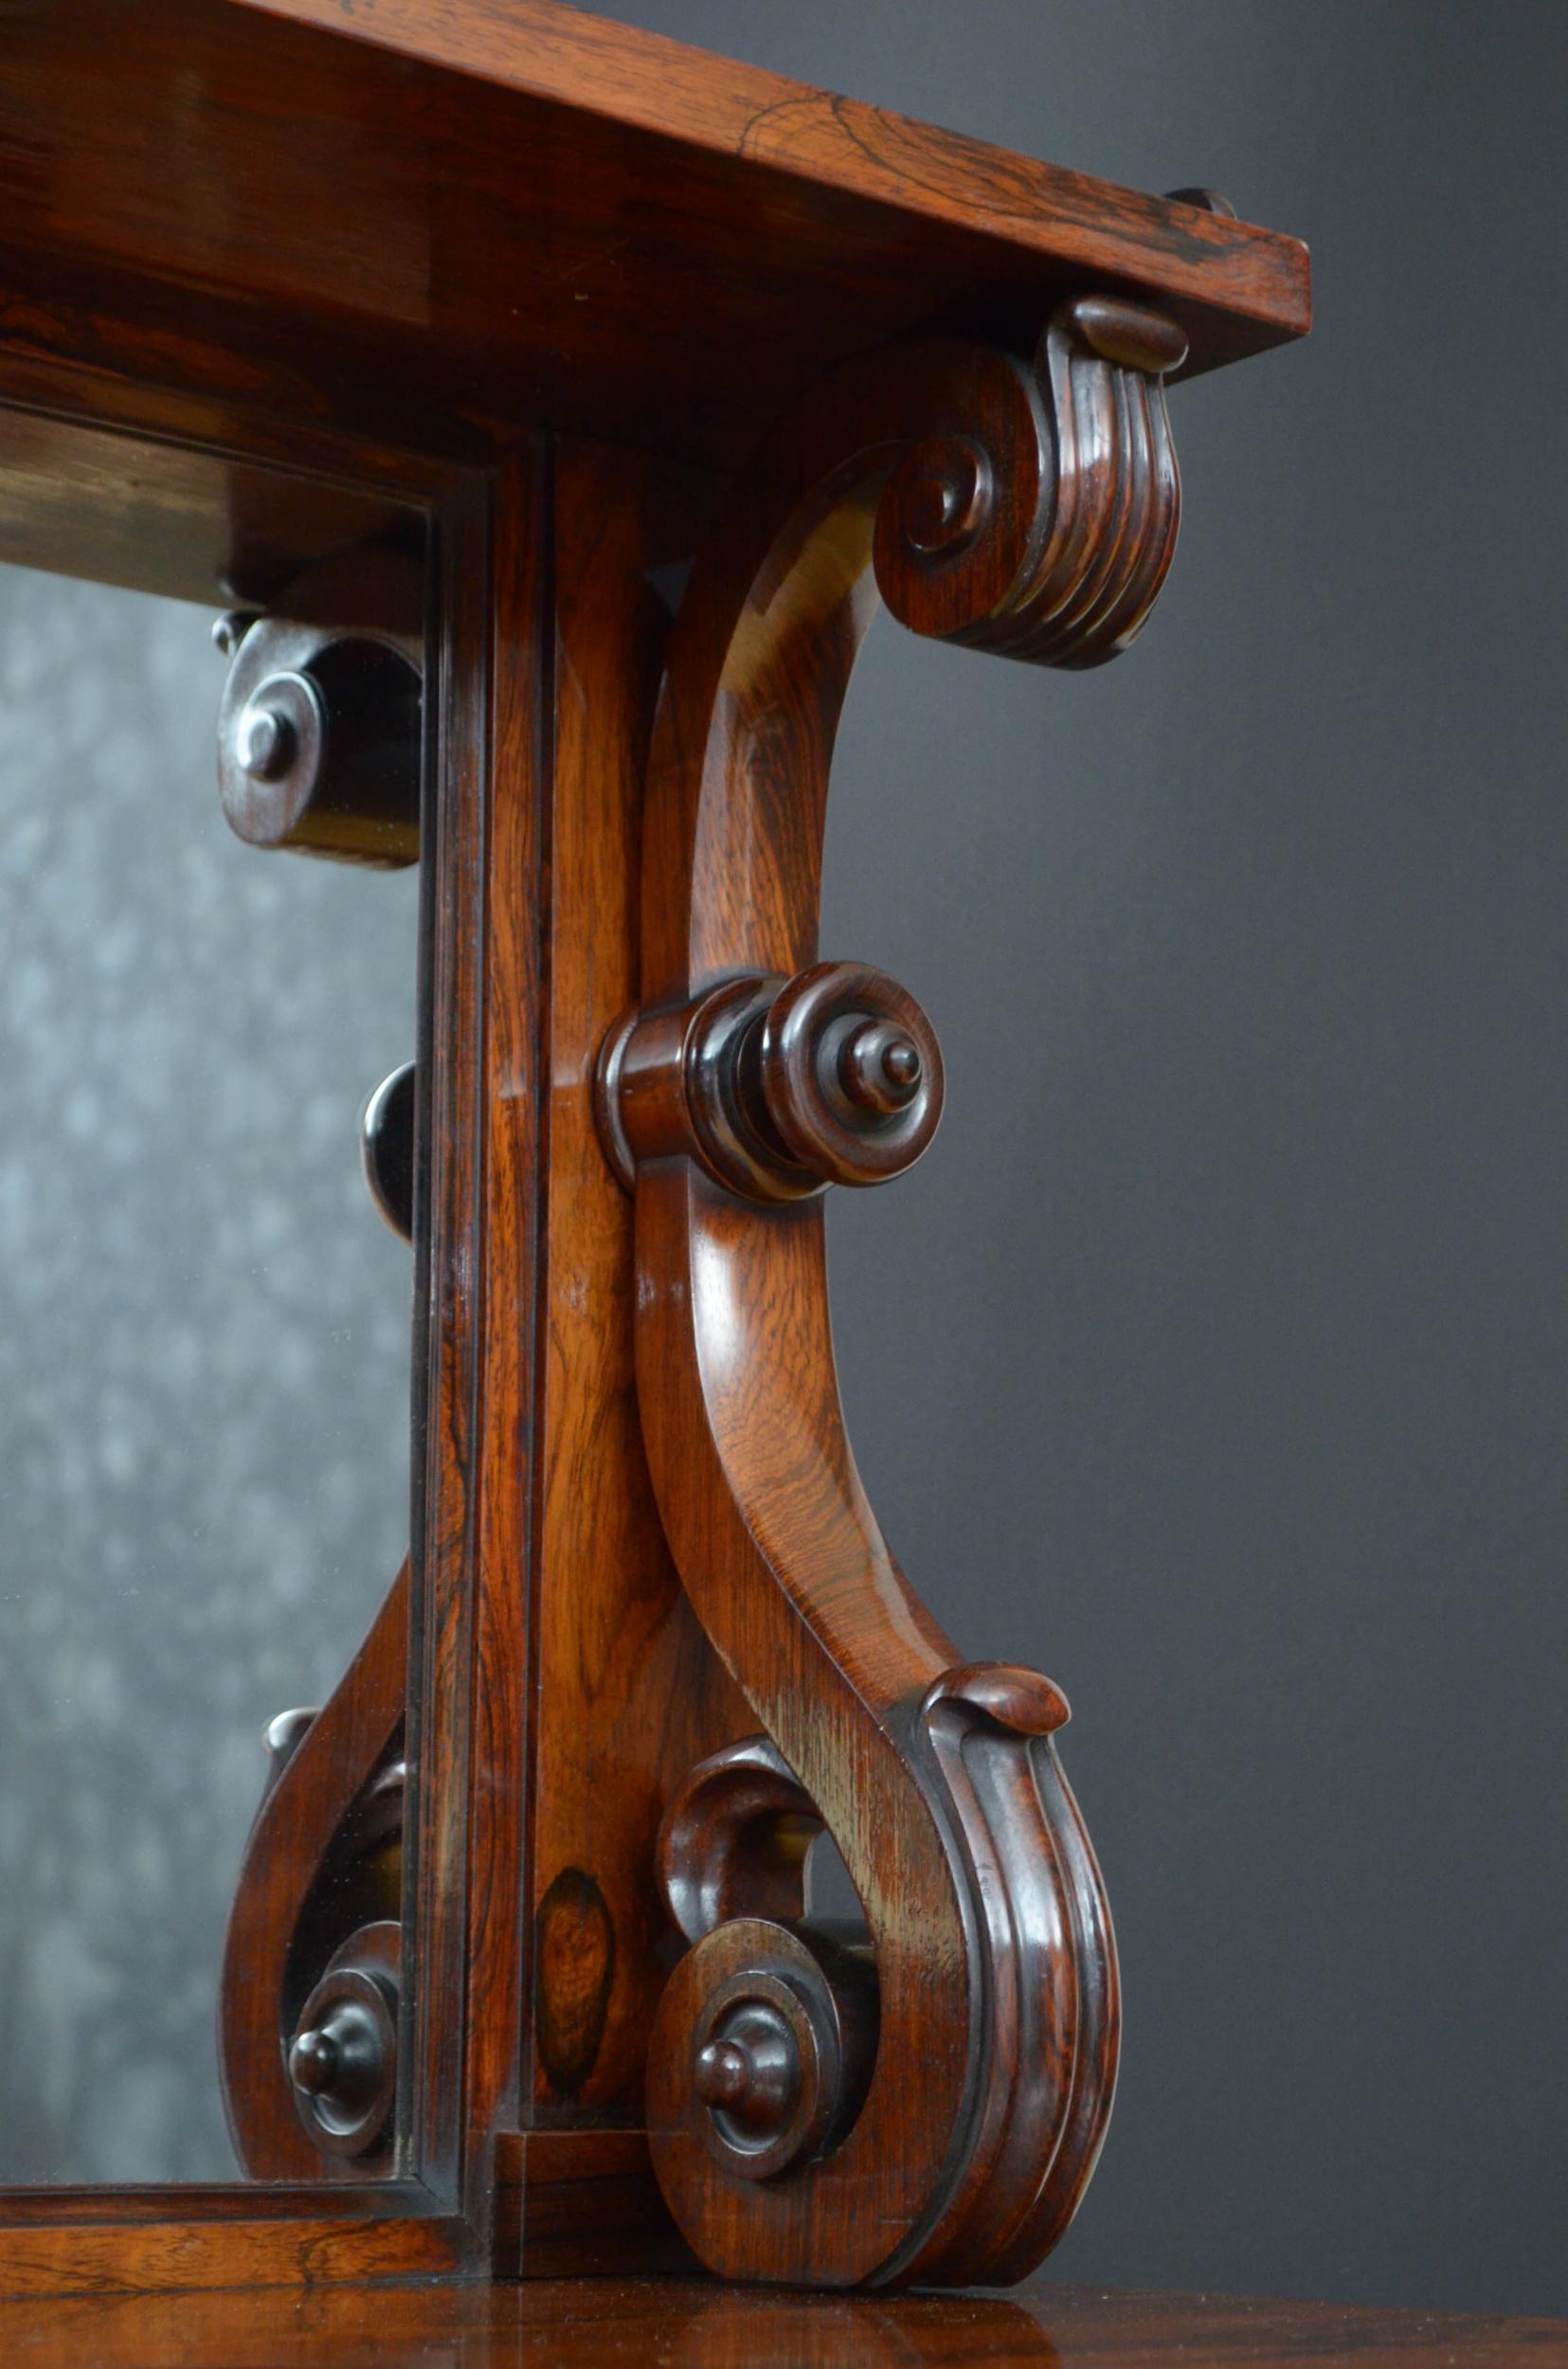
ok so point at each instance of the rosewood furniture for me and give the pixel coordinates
(605, 2323)
(549, 408)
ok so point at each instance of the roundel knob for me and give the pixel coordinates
(342, 2055)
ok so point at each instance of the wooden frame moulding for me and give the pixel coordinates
(162, 516)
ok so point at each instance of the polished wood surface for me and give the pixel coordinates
(305, 1883)
(1030, 510)
(614, 2324)
(477, 1315)
(438, 221)
(627, 1690)
(166, 2240)
(500, 283)
(576, 2204)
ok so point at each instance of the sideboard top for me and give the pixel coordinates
(800, 169)
(446, 217)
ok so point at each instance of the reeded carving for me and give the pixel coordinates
(928, 2104)
(1098, 499)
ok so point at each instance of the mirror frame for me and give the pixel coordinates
(228, 522)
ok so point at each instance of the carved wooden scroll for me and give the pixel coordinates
(927, 2101)
(310, 1981)
(319, 755)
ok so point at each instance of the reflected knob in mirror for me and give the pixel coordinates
(319, 727)
(386, 1147)
(342, 2057)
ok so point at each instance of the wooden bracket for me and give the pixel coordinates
(927, 2101)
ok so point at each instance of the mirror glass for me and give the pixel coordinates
(204, 1358)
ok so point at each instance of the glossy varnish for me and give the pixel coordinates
(517, 291)
(437, 220)
(612, 2323)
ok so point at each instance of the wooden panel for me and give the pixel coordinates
(476, 1300)
(627, 1692)
(231, 2250)
(581, 2203)
(504, 210)
(509, 1031)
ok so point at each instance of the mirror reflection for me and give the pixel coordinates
(203, 1360)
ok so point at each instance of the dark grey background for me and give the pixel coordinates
(1216, 1359)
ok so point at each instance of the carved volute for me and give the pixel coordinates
(926, 2102)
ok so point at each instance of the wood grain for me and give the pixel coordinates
(171, 519)
(478, 213)
(475, 1292)
(616, 2322)
(295, 1898)
(313, 2238)
(448, 1308)
(626, 1691)
(736, 113)
(278, 278)
(1030, 510)
(581, 2203)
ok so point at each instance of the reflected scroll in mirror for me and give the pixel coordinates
(204, 1410)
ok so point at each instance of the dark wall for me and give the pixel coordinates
(1216, 1359)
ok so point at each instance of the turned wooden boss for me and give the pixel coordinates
(318, 730)
(778, 1086)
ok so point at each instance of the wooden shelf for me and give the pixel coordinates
(450, 222)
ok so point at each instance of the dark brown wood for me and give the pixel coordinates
(152, 2241)
(581, 2203)
(316, 1868)
(480, 213)
(929, 2106)
(476, 1315)
(343, 2051)
(319, 740)
(610, 2323)
(776, 1087)
(626, 1691)
(509, 289)
(171, 518)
